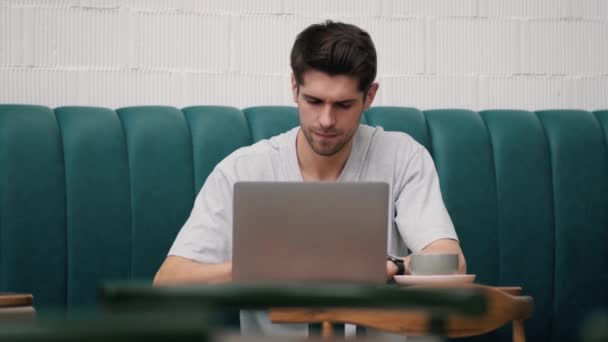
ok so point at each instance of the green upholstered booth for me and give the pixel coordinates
(89, 195)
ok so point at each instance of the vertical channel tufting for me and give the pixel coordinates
(267, 121)
(98, 203)
(461, 149)
(400, 119)
(162, 187)
(32, 205)
(602, 116)
(216, 132)
(579, 163)
(463, 156)
(525, 210)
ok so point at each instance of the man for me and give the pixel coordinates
(334, 68)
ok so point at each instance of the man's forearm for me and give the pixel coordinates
(177, 270)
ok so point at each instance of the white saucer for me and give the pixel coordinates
(434, 279)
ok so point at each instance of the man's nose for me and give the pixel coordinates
(327, 117)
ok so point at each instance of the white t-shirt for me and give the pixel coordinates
(376, 156)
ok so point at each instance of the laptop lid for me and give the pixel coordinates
(307, 231)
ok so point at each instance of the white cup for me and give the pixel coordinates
(434, 264)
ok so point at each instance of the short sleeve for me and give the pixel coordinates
(420, 214)
(207, 234)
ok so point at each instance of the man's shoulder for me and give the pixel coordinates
(262, 148)
(260, 155)
(390, 139)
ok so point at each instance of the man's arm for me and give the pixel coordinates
(439, 246)
(176, 270)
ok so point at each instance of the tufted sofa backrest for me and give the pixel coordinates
(92, 194)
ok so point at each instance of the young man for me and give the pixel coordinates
(334, 68)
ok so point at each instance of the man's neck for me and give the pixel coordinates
(315, 167)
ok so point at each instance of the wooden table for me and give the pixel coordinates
(16, 307)
(505, 304)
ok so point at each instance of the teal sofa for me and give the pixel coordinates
(89, 195)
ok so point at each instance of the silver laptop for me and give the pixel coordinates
(335, 232)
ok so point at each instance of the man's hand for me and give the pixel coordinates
(391, 268)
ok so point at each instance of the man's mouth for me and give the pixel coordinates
(326, 135)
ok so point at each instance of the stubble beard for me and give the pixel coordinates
(327, 151)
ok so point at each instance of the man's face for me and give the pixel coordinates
(330, 108)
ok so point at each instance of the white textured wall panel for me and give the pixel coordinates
(139, 88)
(320, 9)
(543, 92)
(11, 36)
(38, 86)
(480, 46)
(171, 40)
(157, 5)
(397, 8)
(543, 44)
(260, 6)
(473, 54)
(589, 9)
(204, 6)
(428, 92)
(151, 87)
(429, 8)
(455, 45)
(41, 3)
(594, 92)
(442, 8)
(403, 43)
(235, 90)
(100, 3)
(499, 46)
(264, 42)
(85, 38)
(526, 8)
(586, 48)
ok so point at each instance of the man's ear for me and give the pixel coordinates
(294, 88)
(370, 96)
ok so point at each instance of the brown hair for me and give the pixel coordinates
(336, 49)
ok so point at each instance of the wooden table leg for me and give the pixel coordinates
(518, 331)
(327, 330)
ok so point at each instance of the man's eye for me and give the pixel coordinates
(345, 105)
(313, 102)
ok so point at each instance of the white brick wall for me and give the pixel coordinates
(477, 54)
